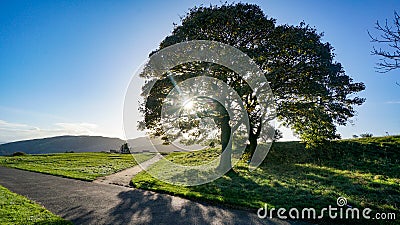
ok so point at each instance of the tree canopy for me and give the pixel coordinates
(313, 94)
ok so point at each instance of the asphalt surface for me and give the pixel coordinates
(96, 203)
(124, 177)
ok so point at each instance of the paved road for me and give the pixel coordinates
(94, 203)
(124, 177)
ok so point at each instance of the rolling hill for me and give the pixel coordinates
(62, 144)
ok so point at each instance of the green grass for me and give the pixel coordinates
(366, 171)
(83, 166)
(16, 209)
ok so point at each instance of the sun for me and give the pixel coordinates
(188, 104)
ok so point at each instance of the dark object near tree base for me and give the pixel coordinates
(18, 154)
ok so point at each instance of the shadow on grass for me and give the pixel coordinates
(366, 172)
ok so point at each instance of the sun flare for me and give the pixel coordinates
(188, 104)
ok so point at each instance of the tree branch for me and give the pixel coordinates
(391, 36)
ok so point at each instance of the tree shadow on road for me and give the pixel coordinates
(145, 207)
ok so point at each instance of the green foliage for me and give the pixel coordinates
(312, 92)
(83, 166)
(124, 149)
(366, 171)
(16, 209)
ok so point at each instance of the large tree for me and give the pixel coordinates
(312, 92)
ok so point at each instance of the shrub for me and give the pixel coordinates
(18, 154)
(365, 135)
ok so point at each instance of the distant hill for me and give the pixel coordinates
(143, 144)
(62, 144)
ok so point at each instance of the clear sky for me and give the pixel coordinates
(65, 65)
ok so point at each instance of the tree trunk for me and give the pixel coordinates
(251, 147)
(226, 156)
(253, 136)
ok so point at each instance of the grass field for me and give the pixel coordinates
(16, 209)
(83, 166)
(366, 171)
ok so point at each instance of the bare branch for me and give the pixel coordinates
(389, 35)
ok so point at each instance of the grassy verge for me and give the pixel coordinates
(83, 166)
(365, 171)
(16, 209)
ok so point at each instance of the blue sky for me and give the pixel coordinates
(65, 65)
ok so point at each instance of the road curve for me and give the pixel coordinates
(95, 203)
